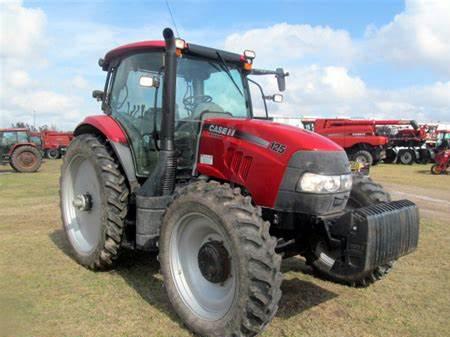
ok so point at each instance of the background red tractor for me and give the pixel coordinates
(178, 164)
(442, 162)
(17, 150)
(442, 157)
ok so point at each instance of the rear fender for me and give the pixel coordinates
(15, 146)
(107, 128)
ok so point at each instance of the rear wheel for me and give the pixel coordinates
(363, 157)
(407, 157)
(26, 159)
(94, 199)
(220, 268)
(364, 193)
(53, 154)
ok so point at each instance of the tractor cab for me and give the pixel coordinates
(208, 83)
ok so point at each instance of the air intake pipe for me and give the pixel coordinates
(162, 180)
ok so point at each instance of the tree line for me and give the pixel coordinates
(33, 128)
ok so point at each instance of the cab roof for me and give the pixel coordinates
(191, 49)
(132, 48)
(13, 129)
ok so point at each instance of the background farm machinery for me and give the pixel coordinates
(370, 141)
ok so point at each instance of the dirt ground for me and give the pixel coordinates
(44, 292)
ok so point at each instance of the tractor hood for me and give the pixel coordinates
(279, 138)
(258, 154)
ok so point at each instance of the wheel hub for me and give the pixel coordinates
(27, 159)
(82, 202)
(214, 262)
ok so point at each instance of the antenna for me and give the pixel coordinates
(173, 19)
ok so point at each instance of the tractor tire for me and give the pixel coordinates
(26, 159)
(364, 193)
(406, 157)
(218, 260)
(53, 154)
(94, 202)
(435, 169)
(363, 157)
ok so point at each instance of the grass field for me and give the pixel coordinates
(43, 292)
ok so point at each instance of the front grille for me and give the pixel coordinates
(238, 163)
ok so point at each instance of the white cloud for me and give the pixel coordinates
(331, 91)
(284, 42)
(23, 36)
(21, 30)
(79, 82)
(420, 35)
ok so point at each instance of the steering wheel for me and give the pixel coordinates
(190, 102)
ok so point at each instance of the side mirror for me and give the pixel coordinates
(277, 98)
(98, 95)
(281, 78)
(149, 81)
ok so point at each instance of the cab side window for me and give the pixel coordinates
(22, 137)
(9, 138)
(138, 108)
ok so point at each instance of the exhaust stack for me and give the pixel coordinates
(162, 180)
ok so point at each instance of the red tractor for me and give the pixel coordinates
(18, 150)
(442, 162)
(178, 164)
(442, 157)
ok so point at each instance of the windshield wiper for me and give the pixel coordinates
(227, 71)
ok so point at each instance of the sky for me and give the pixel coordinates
(352, 58)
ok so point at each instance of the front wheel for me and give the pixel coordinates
(218, 261)
(436, 169)
(94, 202)
(363, 157)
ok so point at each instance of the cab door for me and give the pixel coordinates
(7, 139)
(137, 106)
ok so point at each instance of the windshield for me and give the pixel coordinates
(205, 85)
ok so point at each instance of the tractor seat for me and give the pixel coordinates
(201, 108)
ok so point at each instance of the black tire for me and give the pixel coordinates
(113, 201)
(424, 157)
(391, 156)
(26, 159)
(258, 266)
(364, 192)
(407, 157)
(53, 154)
(435, 169)
(363, 157)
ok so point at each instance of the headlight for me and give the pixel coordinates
(318, 183)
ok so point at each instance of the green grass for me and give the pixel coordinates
(413, 175)
(44, 292)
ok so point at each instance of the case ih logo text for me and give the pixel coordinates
(221, 130)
